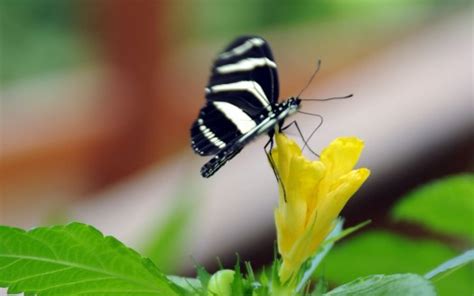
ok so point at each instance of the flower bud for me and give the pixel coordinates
(221, 283)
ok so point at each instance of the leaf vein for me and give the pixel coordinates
(39, 274)
(10, 264)
(81, 266)
(73, 237)
(118, 291)
(29, 235)
(74, 283)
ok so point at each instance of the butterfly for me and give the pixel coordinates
(242, 103)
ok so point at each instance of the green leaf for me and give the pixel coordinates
(321, 287)
(451, 264)
(445, 205)
(386, 285)
(75, 259)
(202, 275)
(250, 273)
(238, 281)
(189, 284)
(377, 252)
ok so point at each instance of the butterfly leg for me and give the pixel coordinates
(268, 153)
(315, 129)
(295, 123)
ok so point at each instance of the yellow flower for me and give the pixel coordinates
(316, 192)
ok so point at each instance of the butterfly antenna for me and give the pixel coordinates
(310, 79)
(330, 99)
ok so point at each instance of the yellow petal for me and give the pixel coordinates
(287, 149)
(339, 158)
(292, 215)
(342, 155)
(332, 205)
(290, 222)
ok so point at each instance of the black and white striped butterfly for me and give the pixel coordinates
(241, 102)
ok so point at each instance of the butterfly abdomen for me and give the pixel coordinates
(219, 160)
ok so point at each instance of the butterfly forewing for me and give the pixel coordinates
(243, 85)
(247, 59)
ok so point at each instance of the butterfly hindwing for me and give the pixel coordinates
(212, 131)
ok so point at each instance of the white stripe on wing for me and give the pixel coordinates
(244, 47)
(245, 65)
(251, 86)
(211, 136)
(241, 119)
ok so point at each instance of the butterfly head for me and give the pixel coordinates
(293, 104)
(287, 108)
